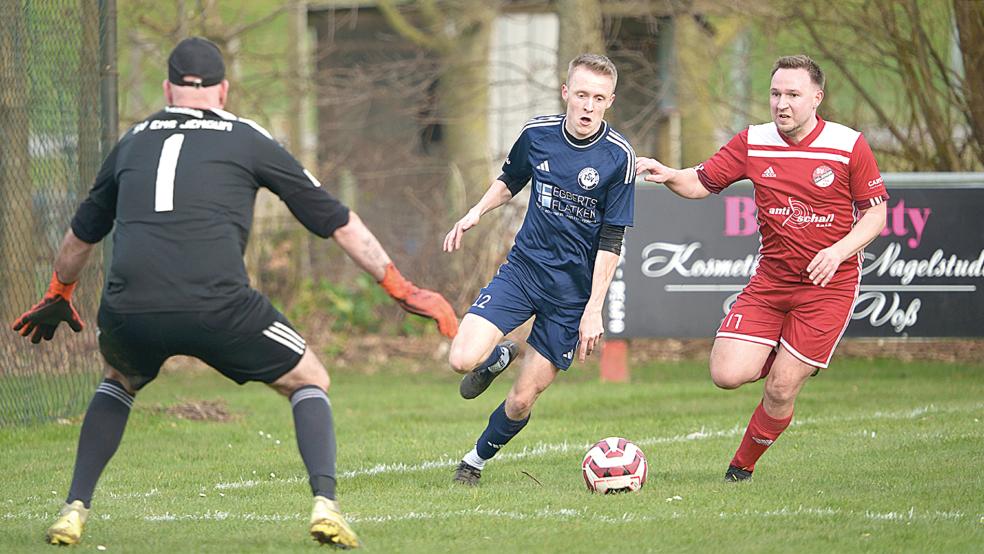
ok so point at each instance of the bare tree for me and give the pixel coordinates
(969, 15)
(458, 31)
(151, 35)
(919, 108)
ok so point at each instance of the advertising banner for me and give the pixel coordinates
(685, 261)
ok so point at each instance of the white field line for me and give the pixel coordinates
(545, 449)
(912, 514)
(569, 514)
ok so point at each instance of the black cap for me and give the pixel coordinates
(196, 56)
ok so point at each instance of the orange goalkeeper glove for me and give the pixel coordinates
(420, 301)
(44, 317)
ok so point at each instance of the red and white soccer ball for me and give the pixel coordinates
(614, 465)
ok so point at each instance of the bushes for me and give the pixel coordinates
(356, 305)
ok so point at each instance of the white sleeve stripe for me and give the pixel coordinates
(187, 111)
(543, 124)
(283, 341)
(224, 114)
(232, 117)
(630, 159)
(314, 180)
(544, 118)
(630, 171)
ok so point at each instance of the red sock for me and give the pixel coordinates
(768, 365)
(762, 431)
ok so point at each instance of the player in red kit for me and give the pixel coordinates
(820, 200)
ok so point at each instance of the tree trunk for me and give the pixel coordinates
(693, 83)
(464, 97)
(580, 31)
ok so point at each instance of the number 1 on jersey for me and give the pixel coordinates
(164, 189)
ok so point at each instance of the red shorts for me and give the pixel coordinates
(806, 319)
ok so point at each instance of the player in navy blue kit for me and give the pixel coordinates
(564, 256)
(179, 189)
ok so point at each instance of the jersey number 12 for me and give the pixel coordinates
(164, 189)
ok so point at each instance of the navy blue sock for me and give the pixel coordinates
(102, 431)
(497, 360)
(315, 438)
(499, 431)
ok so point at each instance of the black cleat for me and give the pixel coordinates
(736, 474)
(467, 475)
(475, 383)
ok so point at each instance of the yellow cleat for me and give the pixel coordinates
(67, 529)
(329, 527)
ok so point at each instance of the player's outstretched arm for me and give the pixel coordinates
(824, 265)
(683, 182)
(41, 321)
(362, 246)
(497, 195)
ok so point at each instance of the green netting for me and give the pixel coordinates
(50, 120)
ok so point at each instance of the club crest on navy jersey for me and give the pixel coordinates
(588, 178)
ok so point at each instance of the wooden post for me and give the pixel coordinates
(614, 361)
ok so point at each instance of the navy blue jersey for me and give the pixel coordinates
(576, 188)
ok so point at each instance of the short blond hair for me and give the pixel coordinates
(596, 63)
(801, 61)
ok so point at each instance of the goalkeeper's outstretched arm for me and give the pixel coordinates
(497, 195)
(361, 245)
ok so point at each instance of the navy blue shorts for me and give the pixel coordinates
(507, 303)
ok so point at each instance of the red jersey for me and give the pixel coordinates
(808, 195)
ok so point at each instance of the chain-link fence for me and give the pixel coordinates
(51, 122)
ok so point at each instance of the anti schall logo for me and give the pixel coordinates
(799, 215)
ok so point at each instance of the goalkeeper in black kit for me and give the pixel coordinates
(180, 188)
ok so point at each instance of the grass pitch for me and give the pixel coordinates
(881, 457)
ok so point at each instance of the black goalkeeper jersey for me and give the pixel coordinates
(180, 187)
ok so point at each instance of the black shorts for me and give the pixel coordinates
(248, 340)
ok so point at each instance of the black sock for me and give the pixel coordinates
(102, 430)
(315, 438)
(499, 431)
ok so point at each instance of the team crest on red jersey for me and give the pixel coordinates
(823, 176)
